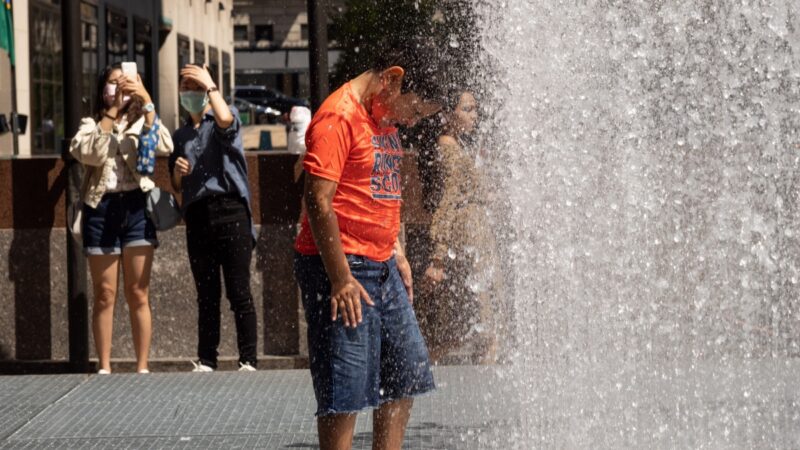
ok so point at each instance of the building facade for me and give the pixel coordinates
(157, 34)
(271, 44)
(199, 32)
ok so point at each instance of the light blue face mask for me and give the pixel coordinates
(194, 101)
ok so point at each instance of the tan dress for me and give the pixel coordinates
(463, 241)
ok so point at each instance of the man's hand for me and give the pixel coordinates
(434, 273)
(346, 299)
(199, 75)
(182, 166)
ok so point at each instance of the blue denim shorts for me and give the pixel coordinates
(118, 221)
(383, 359)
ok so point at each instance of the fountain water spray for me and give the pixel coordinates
(649, 152)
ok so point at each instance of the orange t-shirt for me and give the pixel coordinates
(345, 145)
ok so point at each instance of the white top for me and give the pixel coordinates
(120, 179)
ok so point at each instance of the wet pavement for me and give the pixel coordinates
(267, 409)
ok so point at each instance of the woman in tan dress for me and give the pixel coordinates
(459, 280)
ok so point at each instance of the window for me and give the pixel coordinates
(184, 52)
(199, 53)
(213, 63)
(47, 112)
(304, 32)
(257, 95)
(240, 33)
(89, 22)
(116, 37)
(226, 74)
(265, 32)
(332, 33)
(143, 50)
(184, 58)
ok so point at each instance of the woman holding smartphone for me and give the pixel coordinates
(117, 148)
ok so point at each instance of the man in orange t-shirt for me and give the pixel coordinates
(365, 347)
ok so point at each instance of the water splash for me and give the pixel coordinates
(649, 151)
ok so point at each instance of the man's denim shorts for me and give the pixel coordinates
(118, 221)
(383, 359)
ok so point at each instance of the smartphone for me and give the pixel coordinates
(129, 70)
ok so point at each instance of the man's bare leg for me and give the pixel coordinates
(389, 424)
(336, 431)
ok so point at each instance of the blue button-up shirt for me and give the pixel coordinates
(216, 158)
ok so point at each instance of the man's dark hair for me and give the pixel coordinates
(412, 59)
(391, 57)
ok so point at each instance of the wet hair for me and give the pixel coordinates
(410, 60)
(431, 173)
(392, 57)
(452, 97)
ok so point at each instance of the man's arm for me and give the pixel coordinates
(346, 291)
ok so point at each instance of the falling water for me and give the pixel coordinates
(649, 150)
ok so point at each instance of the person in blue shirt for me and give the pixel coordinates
(208, 168)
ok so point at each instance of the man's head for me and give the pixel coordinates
(397, 101)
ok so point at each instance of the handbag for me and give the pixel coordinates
(75, 210)
(75, 219)
(162, 209)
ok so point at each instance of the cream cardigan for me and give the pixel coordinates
(96, 150)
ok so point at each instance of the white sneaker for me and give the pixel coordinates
(246, 367)
(200, 367)
(104, 372)
(143, 371)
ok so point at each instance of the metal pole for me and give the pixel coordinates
(77, 303)
(318, 51)
(14, 109)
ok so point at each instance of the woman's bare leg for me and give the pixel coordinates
(105, 273)
(136, 265)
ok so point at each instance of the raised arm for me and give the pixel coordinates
(90, 144)
(201, 76)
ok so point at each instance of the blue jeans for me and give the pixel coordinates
(383, 359)
(119, 220)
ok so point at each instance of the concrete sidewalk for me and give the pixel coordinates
(267, 409)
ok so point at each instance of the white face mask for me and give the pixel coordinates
(110, 92)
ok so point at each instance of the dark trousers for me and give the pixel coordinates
(219, 237)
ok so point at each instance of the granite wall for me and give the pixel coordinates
(33, 310)
(33, 288)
